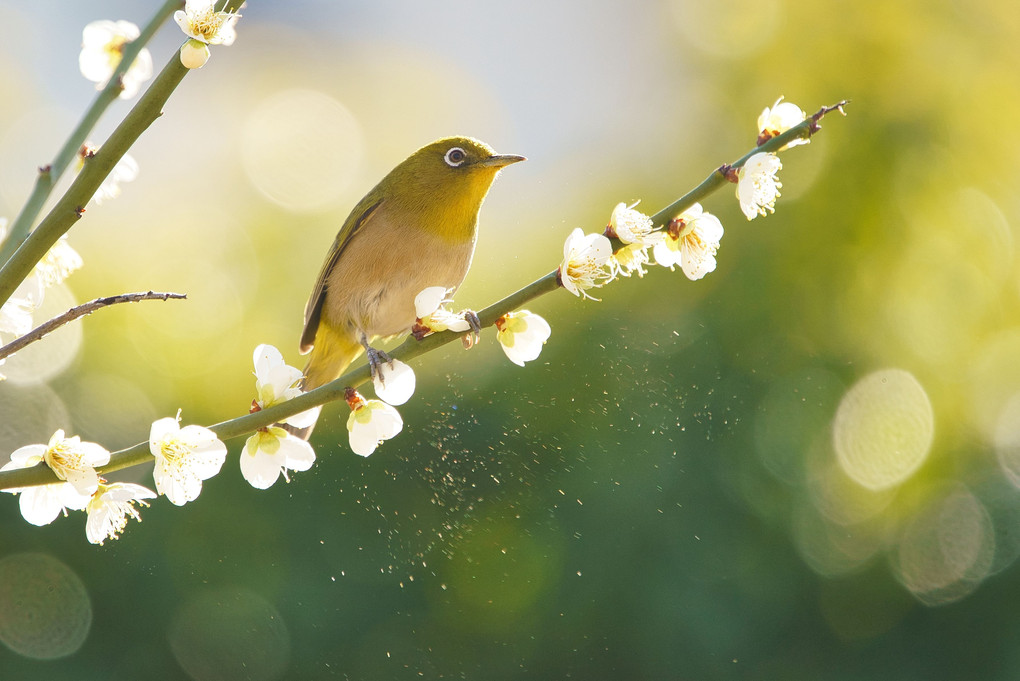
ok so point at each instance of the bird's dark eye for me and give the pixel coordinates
(455, 156)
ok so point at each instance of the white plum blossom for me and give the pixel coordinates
(522, 334)
(184, 458)
(370, 423)
(276, 382)
(58, 263)
(394, 382)
(102, 45)
(633, 227)
(16, 313)
(271, 452)
(691, 241)
(72, 461)
(637, 232)
(429, 300)
(630, 259)
(779, 118)
(40, 505)
(585, 262)
(757, 184)
(430, 309)
(75, 461)
(204, 26)
(110, 508)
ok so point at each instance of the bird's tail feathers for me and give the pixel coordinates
(332, 354)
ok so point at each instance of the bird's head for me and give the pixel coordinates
(446, 181)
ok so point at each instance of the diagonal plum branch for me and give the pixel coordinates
(411, 348)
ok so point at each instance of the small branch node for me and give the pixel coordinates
(817, 116)
(729, 173)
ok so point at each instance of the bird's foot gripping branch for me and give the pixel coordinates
(67, 474)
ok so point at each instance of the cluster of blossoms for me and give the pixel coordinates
(183, 457)
(691, 239)
(103, 44)
(204, 26)
(109, 505)
(186, 456)
(521, 334)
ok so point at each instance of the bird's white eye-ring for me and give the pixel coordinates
(455, 156)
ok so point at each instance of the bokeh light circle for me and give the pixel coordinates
(947, 550)
(829, 549)
(45, 611)
(883, 429)
(301, 149)
(229, 633)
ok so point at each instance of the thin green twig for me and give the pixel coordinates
(77, 311)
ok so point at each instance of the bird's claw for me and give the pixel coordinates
(473, 336)
(376, 358)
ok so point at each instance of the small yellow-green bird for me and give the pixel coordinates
(417, 228)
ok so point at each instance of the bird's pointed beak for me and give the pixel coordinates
(501, 160)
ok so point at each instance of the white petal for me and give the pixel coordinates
(664, 255)
(599, 248)
(573, 244)
(41, 505)
(298, 454)
(710, 229)
(128, 491)
(523, 336)
(260, 469)
(305, 419)
(181, 17)
(282, 378)
(372, 423)
(696, 265)
(395, 382)
(363, 442)
(85, 482)
(567, 282)
(159, 431)
(429, 300)
(265, 358)
(207, 452)
(95, 454)
(24, 457)
(176, 485)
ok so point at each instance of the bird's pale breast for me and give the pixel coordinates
(373, 286)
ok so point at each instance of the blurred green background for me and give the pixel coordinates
(803, 466)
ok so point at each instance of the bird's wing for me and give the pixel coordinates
(313, 309)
